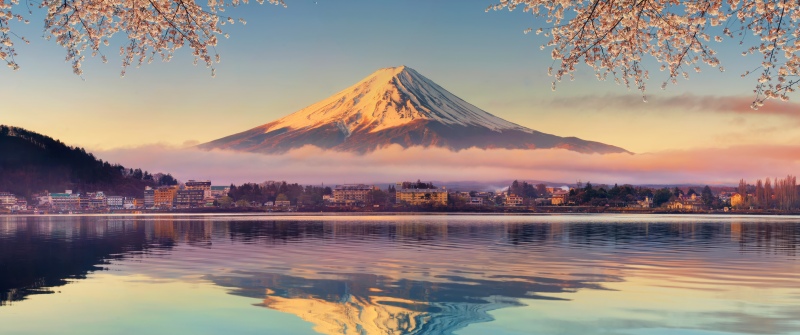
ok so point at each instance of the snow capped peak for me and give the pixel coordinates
(396, 106)
(390, 97)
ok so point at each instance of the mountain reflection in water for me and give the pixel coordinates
(411, 274)
(371, 304)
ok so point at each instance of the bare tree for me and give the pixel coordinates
(759, 199)
(742, 190)
(768, 194)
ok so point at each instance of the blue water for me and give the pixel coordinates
(428, 274)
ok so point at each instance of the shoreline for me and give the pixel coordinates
(418, 212)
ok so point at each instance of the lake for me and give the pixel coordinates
(415, 274)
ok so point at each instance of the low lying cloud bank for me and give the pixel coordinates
(686, 102)
(311, 165)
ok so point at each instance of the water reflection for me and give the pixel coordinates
(37, 255)
(436, 275)
(372, 304)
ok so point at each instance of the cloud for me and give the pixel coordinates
(311, 165)
(684, 102)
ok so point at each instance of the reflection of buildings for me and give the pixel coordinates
(736, 231)
(194, 232)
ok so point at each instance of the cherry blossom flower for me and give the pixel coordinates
(151, 28)
(614, 36)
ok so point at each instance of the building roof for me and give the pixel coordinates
(353, 187)
(421, 190)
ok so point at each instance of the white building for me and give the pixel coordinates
(64, 201)
(219, 191)
(7, 200)
(115, 202)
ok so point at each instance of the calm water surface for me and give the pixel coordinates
(455, 274)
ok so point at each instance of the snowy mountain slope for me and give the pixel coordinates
(396, 106)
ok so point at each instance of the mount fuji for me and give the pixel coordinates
(396, 105)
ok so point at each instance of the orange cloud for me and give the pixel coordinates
(309, 165)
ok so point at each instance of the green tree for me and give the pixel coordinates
(707, 196)
(225, 202)
(662, 196)
(167, 180)
(377, 197)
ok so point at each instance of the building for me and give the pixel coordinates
(115, 202)
(43, 199)
(164, 197)
(559, 199)
(513, 200)
(129, 203)
(352, 193)
(149, 197)
(198, 185)
(419, 196)
(478, 201)
(190, 198)
(685, 205)
(282, 203)
(646, 203)
(66, 201)
(555, 190)
(93, 201)
(220, 191)
(7, 200)
(204, 186)
(21, 205)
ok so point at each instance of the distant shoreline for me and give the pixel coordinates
(421, 212)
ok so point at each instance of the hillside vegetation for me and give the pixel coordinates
(32, 162)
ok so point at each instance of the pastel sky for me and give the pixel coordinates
(287, 58)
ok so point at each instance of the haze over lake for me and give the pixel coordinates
(430, 274)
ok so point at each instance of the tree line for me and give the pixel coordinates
(31, 163)
(780, 194)
(248, 193)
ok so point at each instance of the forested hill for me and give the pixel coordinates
(32, 162)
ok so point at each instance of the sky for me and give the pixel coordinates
(285, 59)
